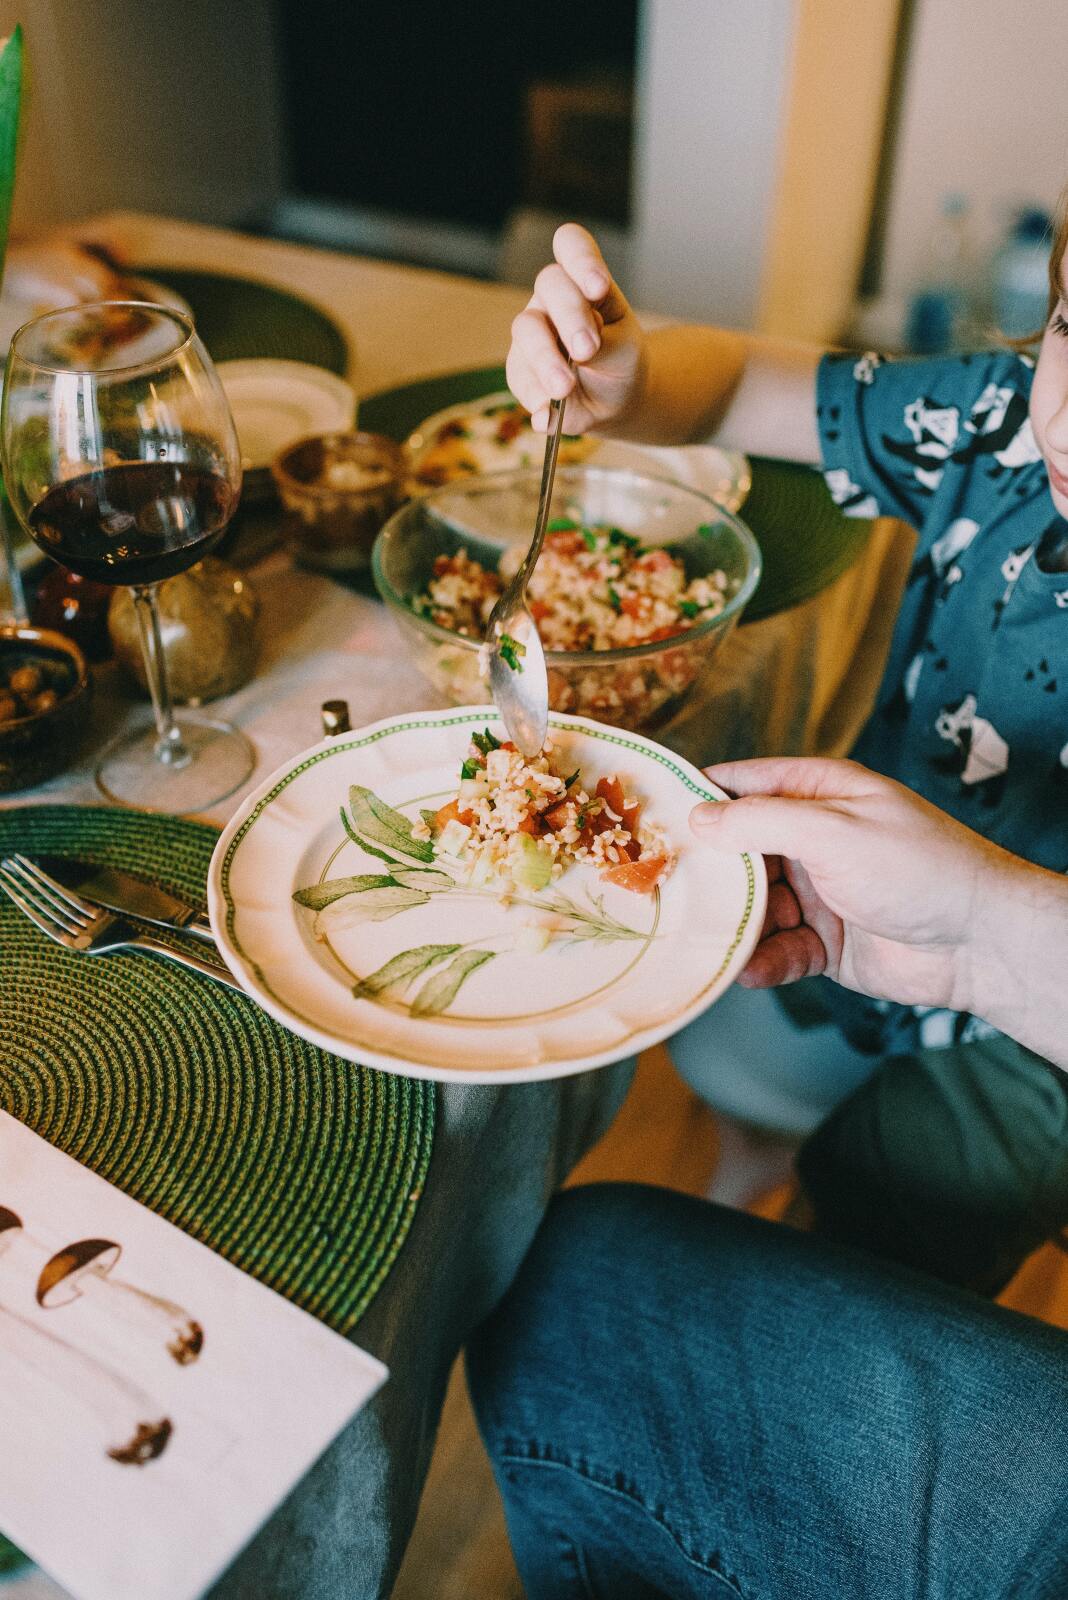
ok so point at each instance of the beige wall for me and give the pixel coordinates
(710, 100)
(144, 104)
(983, 113)
(831, 133)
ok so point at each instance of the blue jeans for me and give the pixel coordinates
(684, 1401)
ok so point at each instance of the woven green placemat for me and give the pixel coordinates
(301, 1169)
(240, 318)
(805, 540)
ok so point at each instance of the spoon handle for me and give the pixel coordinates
(548, 474)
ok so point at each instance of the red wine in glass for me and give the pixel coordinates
(135, 523)
(121, 461)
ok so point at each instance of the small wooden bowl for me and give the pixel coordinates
(35, 747)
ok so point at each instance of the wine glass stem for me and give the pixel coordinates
(169, 747)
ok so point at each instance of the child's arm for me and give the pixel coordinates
(677, 385)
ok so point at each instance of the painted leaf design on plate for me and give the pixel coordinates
(395, 976)
(320, 895)
(429, 878)
(377, 905)
(439, 992)
(381, 829)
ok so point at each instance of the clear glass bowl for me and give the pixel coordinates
(641, 687)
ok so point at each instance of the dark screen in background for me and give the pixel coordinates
(417, 108)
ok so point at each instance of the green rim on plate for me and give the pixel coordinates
(242, 319)
(804, 539)
(303, 1170)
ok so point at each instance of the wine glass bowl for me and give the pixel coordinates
(121, 461)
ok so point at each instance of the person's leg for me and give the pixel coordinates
(685, 1401)
(764, 1066)
(954, 1161)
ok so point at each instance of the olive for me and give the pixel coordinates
(25, 680)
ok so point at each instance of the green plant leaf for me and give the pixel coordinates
(319, 895)
(378, 824)
(441, 990)
(10, 100)
(397, 974)
(378, 905)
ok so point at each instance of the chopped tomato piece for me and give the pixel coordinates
(641, 877)
(511, 425)
(565, 541)
(556, 815)
(531, 825)
(452, 813)
(670, 631)
(632, 605)
(655, 561)
(539, 610)
(610, 790)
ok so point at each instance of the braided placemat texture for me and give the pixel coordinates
(300, 1168)
(804, 539)
(240, 319)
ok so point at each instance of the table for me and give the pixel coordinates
(801, 681)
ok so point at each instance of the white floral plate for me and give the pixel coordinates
(725, 475)
(354, 935)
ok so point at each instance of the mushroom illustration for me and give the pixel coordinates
(119, 1408)
(85, 1268)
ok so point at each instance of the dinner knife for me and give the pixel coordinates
(122, 892)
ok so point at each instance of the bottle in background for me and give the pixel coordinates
(941, 310)
(1019, 275)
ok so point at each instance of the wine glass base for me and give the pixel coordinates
(131, 773)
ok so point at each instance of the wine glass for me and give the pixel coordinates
(121, 462)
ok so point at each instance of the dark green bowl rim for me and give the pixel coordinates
(575, 658)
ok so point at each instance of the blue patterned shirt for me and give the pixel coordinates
(973, 707)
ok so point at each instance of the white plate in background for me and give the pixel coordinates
(274, 403)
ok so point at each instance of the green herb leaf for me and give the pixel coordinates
(689, 608)
(485, 742)
(441, 990)
(629, 542)
(470, 769)
(613, 599)
(573, 778)
(318, 895)
(512, 652)
(380, 829)
(707, 531)
(589, 538)
(397, 974)
(560, 525)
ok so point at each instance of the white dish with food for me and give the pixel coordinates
(494, 435)
(366, 896)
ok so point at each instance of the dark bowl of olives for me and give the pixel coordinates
(44, 705)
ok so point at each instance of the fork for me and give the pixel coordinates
(79, 924)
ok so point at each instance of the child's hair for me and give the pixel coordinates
(1057, 253)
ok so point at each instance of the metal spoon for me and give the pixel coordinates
(514, 655)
